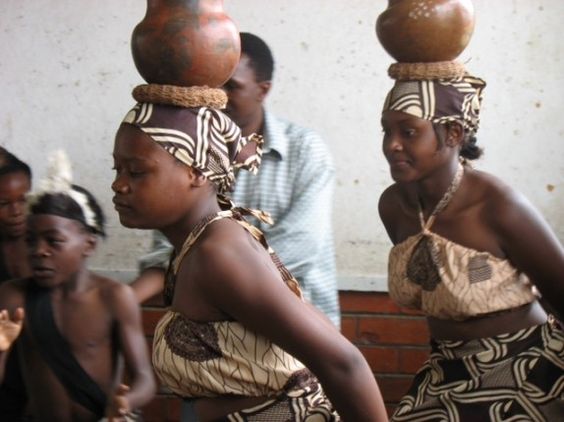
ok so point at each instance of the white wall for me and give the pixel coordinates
(67, 73)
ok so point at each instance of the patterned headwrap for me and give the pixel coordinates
(203, 138)
(440, 101)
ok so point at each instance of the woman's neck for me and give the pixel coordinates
(177, 233)
(432, 189)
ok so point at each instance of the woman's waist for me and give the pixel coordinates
(488, 325)
(215, 408)
(302, 383)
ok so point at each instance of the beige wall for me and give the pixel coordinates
(67, 74)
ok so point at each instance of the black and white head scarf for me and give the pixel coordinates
(200, 137)
(440, 101)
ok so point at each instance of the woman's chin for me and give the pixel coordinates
(401, 177)
(129, 222)
(136, 224)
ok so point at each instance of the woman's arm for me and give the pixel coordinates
(530, 244)
(236, 276)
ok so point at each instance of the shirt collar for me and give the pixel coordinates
(275, 140)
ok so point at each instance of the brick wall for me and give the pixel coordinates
(393, 340)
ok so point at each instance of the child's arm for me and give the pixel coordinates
(133, 346)
(10, 330)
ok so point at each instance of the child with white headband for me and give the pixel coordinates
(72, 327)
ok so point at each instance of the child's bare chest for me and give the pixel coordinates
(86, 325)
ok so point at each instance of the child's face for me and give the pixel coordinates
(13, 190)
(150, 187)
(58, 248)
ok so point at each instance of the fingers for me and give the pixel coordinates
(122, 389)
(19, 315)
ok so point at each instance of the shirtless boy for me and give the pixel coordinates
(73, 326)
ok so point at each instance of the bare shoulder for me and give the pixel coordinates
(225, 254)
(113, 292)
(388, 202)
(224, 240)
(503, 205)
(397, 213)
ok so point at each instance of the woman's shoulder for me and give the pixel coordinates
(222, 241)
(398, 212)
(390, 199)
(491, 189)
(498, 199)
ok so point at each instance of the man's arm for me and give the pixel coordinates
(150, 281)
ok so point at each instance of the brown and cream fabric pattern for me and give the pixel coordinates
(211, 358)
(440, 101)
(449, 281)
(465, 283)
(510, 377)
(200, 137)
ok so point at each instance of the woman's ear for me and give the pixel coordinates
(197, 179)
(455, 134)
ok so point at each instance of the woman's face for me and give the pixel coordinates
(150, 186)
(410, 146)
(13, 190)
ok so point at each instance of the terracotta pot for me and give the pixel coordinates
(186, 43)
(425, 30)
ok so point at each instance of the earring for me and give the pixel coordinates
(462, 160)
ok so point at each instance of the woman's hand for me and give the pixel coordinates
(10, 329)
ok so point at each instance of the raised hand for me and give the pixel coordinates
(10, 329)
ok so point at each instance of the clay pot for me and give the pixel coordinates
(186, 43)
(425, 30)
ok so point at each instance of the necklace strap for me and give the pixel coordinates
(237, 214)
(201, 226)
(444, 201)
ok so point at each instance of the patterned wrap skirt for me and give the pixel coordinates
(509, 377)
(305, 405)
